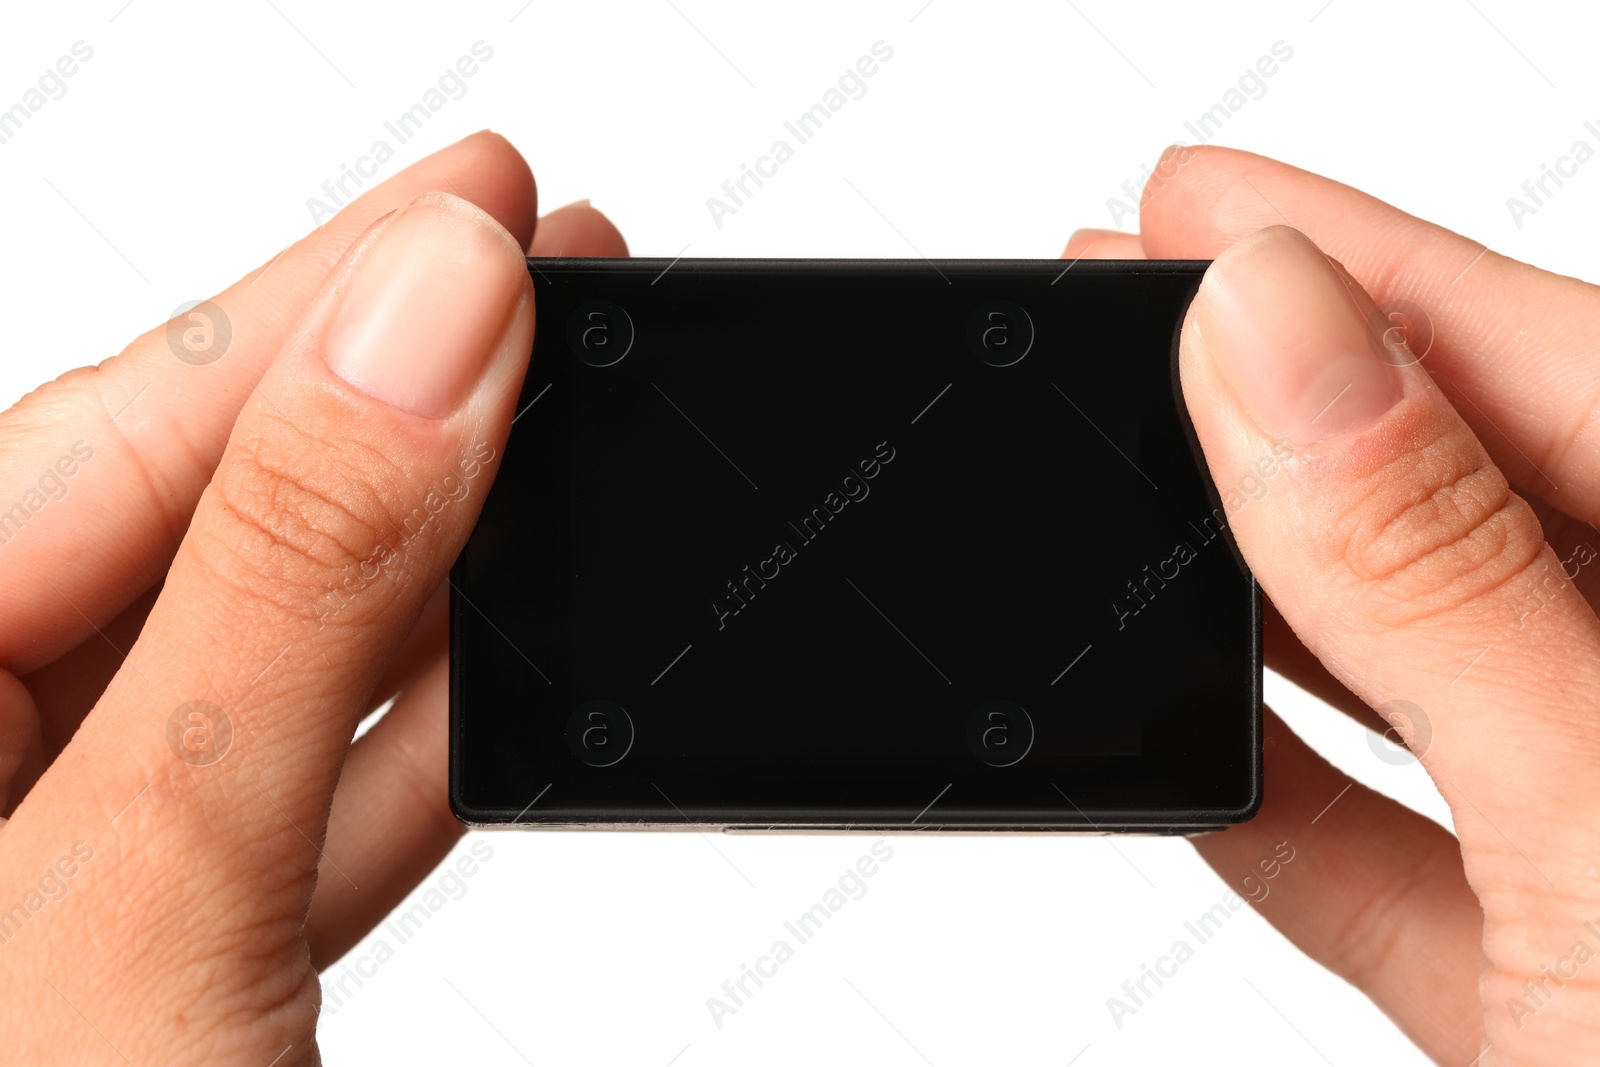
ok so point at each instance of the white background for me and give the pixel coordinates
(183, 155)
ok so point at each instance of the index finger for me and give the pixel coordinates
(1512, 345)
(103, 467)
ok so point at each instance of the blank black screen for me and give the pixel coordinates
(819, 533)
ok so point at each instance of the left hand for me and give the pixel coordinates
(215, 550)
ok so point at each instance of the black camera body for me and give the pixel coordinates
(855, 545)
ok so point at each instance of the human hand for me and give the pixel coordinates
(1426, 516)
(263, 532)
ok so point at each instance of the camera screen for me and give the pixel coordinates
(873, 544)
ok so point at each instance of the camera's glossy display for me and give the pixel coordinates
(855, 544)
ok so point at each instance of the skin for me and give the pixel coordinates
(221, 500)
(1400, 555)
(220, 504)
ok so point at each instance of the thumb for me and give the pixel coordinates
(1390, 542)
(204, 774)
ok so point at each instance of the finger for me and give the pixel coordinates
(1387, 539)
(21, 748)
(1511, 344)
(1103, 244)
(1578, 545)
(1366, 887)
(1397, 552)
(352, 477)
(1575, 542)
(576, 230)
(65, 690)
(418, 651)
(68, 687)
(351, 480)
(101, 469)
(1283, 651)
(391, 821)
(1287, 654)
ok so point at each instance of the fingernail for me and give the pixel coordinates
(576, 203)
(426, 306)
(1293, 339)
